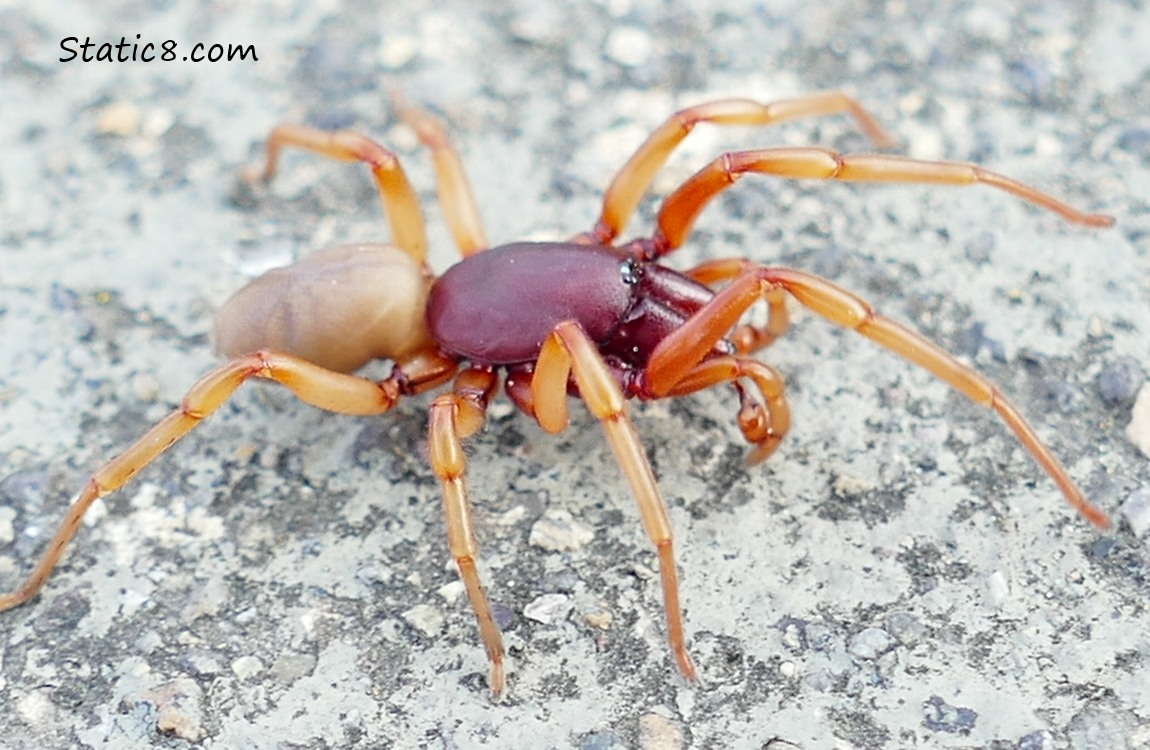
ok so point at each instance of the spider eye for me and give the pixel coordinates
(630, 271)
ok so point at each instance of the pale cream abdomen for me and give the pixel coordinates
(339, 308)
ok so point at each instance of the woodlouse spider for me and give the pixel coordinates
(587, 317)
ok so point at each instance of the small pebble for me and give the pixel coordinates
(503, 615)
(819, 680)
(451, 591)
(598, 617)
(147, 642)
(178, 711)
(1138, 431)
(659, 733)
(1136, 510)
(630, 46)
(397, 51)
(870, 643)
(247, 666)
(558, 530)
(548, 608)
(202, 663)
(1119, 381)
(7, 528)
(563, 581)
(118, 118)
(905, 627)
(290, 667)
(145, 386)
(793, 636)
(940, 716)
(846, 485)
(426, 619)
(997, 588)
(36, 709)
(1035, 741)
(373, 573)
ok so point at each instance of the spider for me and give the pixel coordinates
(588, 317)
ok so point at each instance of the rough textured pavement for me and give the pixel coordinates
(899, 575)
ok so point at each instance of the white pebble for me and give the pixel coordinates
(558, 530)
(397, 51)
(548, 608)
(997, 588)
(118, 118)
(630, 46)
(247, 666)
(7, 528)
(870, 643)
(425, 618)
(1139, 428)
(1136, 510)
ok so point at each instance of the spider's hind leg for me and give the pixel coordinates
(326, 389)
(455, 416)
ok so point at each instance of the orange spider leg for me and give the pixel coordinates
(568, 350)
(455, 416)
(333, 391)
(746, 338)
(691, 343)
(400, 203)
(682, 207)
(764, 421)
(633, 180)
(455, 193)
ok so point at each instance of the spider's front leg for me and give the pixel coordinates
(694, 340)
(764, 420)
(633, 180)
(747, 338)
(566, 352)
(682, 207)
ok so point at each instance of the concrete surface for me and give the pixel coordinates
(899, 575)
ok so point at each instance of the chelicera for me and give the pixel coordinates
(590, 317)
